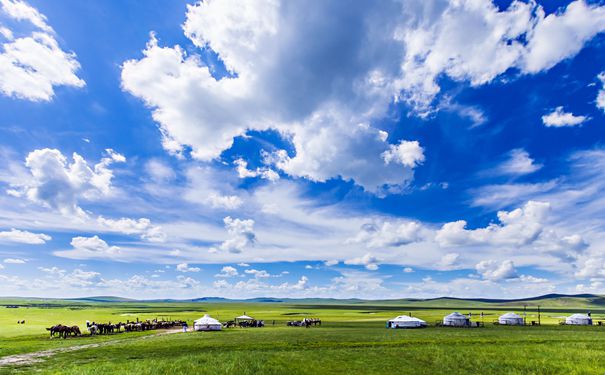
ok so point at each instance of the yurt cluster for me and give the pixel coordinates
(208, 323)
(457, 319)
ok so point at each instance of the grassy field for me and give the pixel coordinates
(352, 339)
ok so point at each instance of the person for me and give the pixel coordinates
(185, 326)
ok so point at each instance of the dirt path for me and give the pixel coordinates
(35, 357)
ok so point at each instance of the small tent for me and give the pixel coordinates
(244, 317)
(511, 319)
(456, 319)
(579, 319)
(405, 321)
(206, 323)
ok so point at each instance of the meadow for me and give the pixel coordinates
(352, 339)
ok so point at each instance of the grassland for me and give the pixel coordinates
(352, 339)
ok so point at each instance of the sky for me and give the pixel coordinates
(267, 148)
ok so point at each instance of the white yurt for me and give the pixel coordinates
(579, 320)
(456, 319)
(405, 321)
(206, 323)
(511, 319)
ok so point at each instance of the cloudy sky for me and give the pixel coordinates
(246, 148)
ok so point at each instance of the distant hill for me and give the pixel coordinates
(546, 301)
(103, 299)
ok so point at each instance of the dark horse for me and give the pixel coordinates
(64, 331)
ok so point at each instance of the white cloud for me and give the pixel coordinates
(348, 68)
(327, 118)
(227, 271)
(474, 41)
(519, 227)
(561, 35)
(241, 233)
(184, 267)
(258, 274)
(408, 270)
(32, 65)
(518, 163)
(212, 188)
(141, 227)
(14, 261)
(244, 172)
(369, 261)
(406, 153)
(493, 270)
(449, 261)
(159, 171)
(89, 247)
(58, 184)
(601, 94)
(388, 234)
(532, 279)
(77, 278)
(20, 236)
(559, 118)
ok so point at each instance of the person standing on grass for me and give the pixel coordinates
(185, 326)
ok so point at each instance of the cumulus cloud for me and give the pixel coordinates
(388, 234)
(141, 227)
(369, 261)
(184, 267)
(59, 184)
(495, 271)
(519, 227)
(518, 163)
(89, 248)
(475, 41)
(351, 62)
(227, 271)
(23, 236)
(244, 172)
(241, 235)
(559, 118)
(32, 63)
(327, 119)
(406, 153)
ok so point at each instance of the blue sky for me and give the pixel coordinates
(264, 148)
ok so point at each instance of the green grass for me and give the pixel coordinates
(352, 340)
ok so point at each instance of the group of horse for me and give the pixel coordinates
(306, 322)
(109, 328)
(244, 323)
(147, 325)
(64, 331)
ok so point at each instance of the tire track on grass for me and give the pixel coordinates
(39, 356)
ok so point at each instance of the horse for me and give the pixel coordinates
(92, 328)
(75, 330)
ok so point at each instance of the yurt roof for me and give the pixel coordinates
(456, 315)
(510, 315)
(206, 319)
(405, 318)
(245, 317)
(579, 316)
